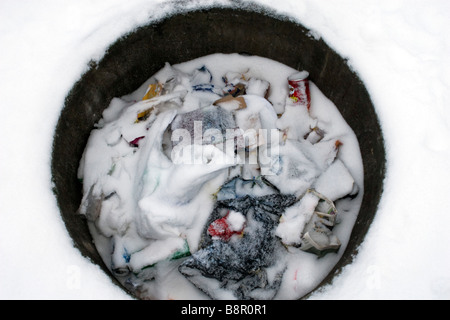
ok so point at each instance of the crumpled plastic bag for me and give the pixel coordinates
(238, 268)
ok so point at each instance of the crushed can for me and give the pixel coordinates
(299, 89)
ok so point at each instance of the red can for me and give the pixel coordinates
(299, 88)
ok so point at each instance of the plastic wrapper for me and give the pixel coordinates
(240, 209)
(154, 90)
(318, 237)
(240, 266)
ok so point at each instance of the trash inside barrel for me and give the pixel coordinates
(220, 180)
(245, 140)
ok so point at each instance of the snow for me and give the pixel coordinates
(398, 48)
(144, 200)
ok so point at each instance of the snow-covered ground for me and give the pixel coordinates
(399, 48)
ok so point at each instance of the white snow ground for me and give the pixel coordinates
(399, 48)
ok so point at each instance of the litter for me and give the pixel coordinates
(318, 237)
(299, 89)
(224, 228)
(241, 266)
(205, 185)
(154, 90)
